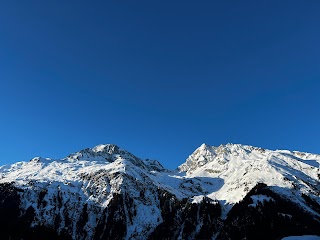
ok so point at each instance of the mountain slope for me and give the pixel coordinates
(108, 193)
(241, 167)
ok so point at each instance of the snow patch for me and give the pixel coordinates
(260, 199)
(197, 199)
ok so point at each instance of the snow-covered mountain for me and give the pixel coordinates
(228, 192)
(241, 167)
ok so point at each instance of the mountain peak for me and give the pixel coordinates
(109, 148)
(219, 154)
(201, 156)
(204, 146)
(102, 152)
(109, 153)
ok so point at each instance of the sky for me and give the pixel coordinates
(158, 78)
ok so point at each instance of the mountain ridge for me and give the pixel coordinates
(108, 186)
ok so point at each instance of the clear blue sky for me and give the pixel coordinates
(158, 78)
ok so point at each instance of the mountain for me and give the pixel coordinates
(231, 191)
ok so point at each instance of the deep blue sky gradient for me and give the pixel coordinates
(158, 78)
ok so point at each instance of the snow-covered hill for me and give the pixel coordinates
(106, 192)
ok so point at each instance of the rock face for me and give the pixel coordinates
(228, 192)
